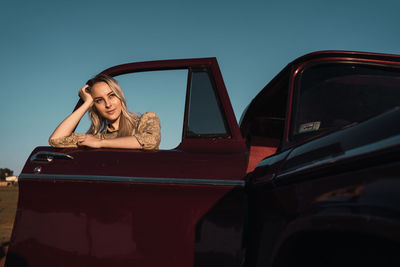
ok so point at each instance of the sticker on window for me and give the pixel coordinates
(309, 127)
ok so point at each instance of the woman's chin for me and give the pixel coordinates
(112, 119)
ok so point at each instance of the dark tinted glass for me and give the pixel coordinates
(204, 113)
(335, 95)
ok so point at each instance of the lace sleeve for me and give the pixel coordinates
(68, 141)
(148, 131)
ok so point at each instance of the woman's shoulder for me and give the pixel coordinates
(148, 118)
(148, 131)
(148, 115)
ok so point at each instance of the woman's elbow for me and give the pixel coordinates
(150, 147)
(150, 143)
(68, 141)
(52, 142)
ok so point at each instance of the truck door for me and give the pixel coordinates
(121, 207)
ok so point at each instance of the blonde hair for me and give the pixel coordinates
(128, 119)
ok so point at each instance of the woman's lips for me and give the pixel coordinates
(110, 111)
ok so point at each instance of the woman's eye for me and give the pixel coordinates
(112, 95)
(97, 101)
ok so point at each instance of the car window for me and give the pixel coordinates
(330, 96)
(162, 92)
(205, 117)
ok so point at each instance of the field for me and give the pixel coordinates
(8, 207)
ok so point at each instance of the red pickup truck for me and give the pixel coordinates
(309, 178)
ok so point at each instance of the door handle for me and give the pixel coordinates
(46, 156)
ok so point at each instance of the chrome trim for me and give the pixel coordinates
(146, 180)
(46, 156)
(37, 170)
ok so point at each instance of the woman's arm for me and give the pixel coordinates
(119, 142)
(68, 125)
(147, 136)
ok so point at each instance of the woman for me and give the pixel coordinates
(112, 125)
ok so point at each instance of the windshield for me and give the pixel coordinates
(330, 96)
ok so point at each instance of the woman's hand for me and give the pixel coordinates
(85, 95)
(68, 125)
(89, 141)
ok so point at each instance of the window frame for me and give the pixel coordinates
(232, 143)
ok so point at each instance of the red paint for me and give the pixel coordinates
(65, 223)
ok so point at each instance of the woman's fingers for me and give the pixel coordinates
(83, 91)
(88, 140)
(84, 94)
(81, 139)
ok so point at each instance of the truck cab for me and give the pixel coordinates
(313, 161)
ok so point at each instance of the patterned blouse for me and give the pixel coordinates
(147, 132)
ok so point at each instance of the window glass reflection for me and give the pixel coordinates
(204, 114)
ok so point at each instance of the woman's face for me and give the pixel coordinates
(107, 103)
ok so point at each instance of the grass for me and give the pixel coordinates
(8, 207)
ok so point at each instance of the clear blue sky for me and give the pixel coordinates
(49, 49)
